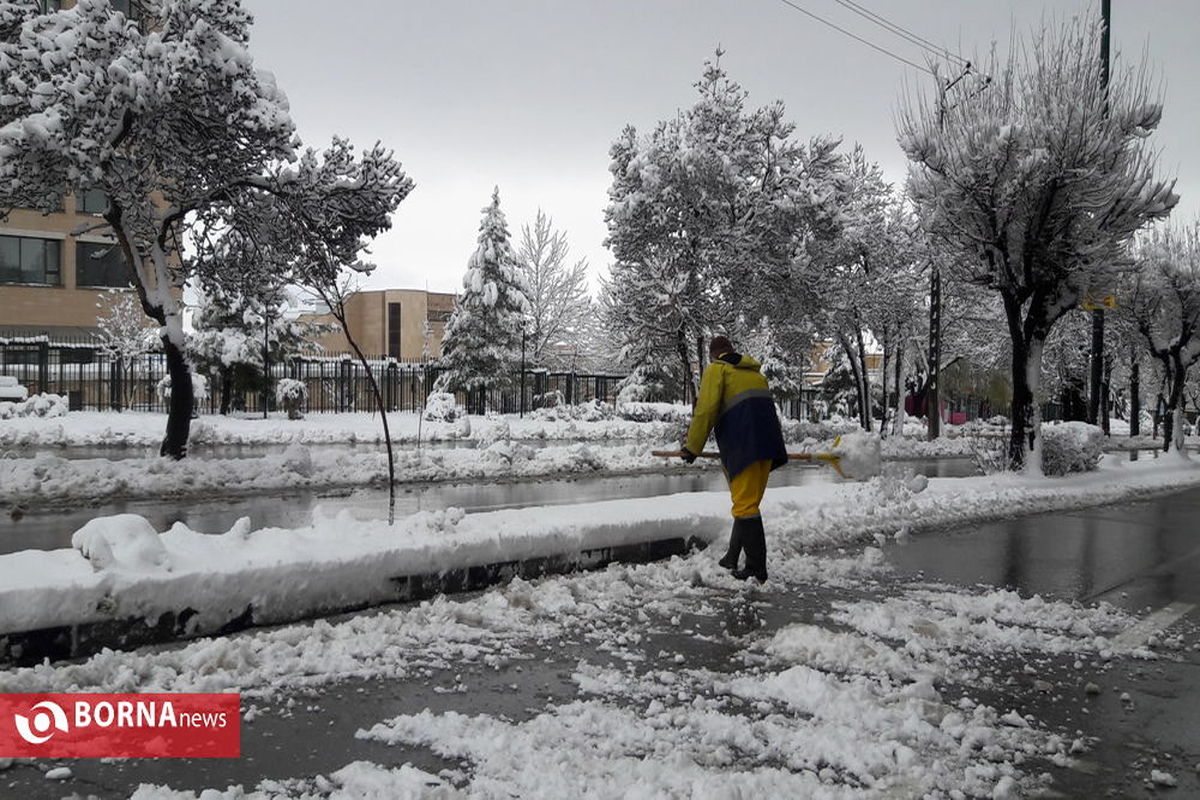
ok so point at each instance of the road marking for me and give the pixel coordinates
(1160, 620)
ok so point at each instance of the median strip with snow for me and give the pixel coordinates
(121, 569)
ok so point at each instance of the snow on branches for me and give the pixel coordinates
(1036, 179)
(180, 131)
(706, 215)
(1162, 299)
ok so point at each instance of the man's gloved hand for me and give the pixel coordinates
(688, 455)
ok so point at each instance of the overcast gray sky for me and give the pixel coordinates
(529, 94)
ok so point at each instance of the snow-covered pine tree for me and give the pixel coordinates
(482, 345)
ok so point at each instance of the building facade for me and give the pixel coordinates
(404, 324)
(52, 280)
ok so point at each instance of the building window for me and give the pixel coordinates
(92, 201)
(436, 315)
(99, 265)
(50, 6)
(393, 332)
(27, 260)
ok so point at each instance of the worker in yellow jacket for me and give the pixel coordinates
(735, 400)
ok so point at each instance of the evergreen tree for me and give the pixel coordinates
(482, 345)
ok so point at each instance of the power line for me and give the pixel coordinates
(856, 37)
(900, 31)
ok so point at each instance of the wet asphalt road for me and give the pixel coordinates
(1143, 556)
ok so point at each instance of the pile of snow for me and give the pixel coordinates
(11, 390)
(125, 542)
(47, 406)
(1071, 447)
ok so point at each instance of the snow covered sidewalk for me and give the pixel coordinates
(122, 571)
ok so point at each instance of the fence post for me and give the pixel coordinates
(114, 384)
(43, 366)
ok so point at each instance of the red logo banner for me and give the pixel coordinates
(120, 725)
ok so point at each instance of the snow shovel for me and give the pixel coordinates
(829, 458)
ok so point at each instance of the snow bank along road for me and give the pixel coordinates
(54, 480)
(121, 569)
(838, 680)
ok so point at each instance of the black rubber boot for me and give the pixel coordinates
(734, 553)
(754, 541)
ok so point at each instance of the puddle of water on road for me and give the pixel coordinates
(51, 529)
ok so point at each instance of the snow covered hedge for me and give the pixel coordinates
(1071, 447)
(40, 405)
(593, 411)
(654, 412)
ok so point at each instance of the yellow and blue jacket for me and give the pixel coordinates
(735, 400)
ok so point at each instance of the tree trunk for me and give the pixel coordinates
(1135, 399)
(898, 424)
(1173, 418)
(854, 371)
(865, 387)
(179, 410)
(226, 389)
(1023, 449)
(883, 380)
(689, 388)
(387, 434)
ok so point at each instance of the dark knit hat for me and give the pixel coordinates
(719, 345)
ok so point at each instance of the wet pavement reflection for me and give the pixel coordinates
(1134, 555)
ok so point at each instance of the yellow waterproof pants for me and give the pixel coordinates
(747, 488)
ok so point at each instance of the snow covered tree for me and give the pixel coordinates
(705, 217)
(125, 334)
(1035, 182)
(1163, 301)
(559, 304)
(482, 345)
(232, 331)
(179, 130)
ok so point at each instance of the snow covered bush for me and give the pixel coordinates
(40, 405)
(552, 399)
(593, 411)
(654, 412)
(442, 407)
(199, 387)
(1071, 447)
(291, 395)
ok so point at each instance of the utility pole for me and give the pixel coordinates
(1097, 387)
(933, 411)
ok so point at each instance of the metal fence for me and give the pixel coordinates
(93, 379)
